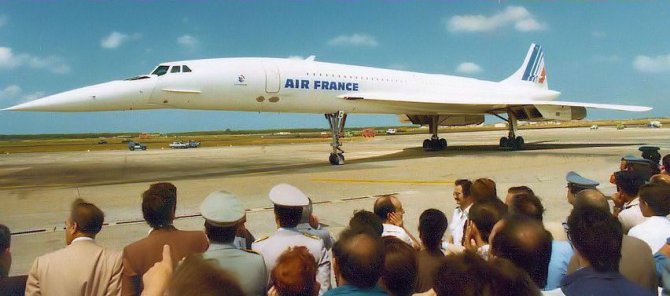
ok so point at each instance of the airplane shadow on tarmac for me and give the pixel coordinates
(67, 176)
(417, 152)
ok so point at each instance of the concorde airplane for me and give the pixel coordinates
(308, 86)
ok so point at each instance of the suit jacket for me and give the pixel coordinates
(636, 264)
(141, 255)
(82, 268)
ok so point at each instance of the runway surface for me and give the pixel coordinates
(36, 189)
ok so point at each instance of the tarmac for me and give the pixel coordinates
(36, 189)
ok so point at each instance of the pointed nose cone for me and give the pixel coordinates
(110, 96)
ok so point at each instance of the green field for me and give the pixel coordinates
(117, 141)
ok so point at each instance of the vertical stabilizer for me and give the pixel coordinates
(532, 71)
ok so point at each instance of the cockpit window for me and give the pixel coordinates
(161, 70)
(175, 69)
(185, 68)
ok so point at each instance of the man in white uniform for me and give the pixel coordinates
(288, 204)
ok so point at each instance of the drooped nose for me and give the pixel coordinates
(109, 96)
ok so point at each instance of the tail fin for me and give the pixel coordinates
(532, 70)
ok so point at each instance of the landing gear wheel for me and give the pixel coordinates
(518, 143)
(336, 159)
(443, 144)
(503, 142)
(427, 145)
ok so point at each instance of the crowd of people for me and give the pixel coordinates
(614, 246)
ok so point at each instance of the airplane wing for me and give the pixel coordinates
(489, 104)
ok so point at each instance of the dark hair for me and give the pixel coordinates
(432, 225)
(158, 204)
(196, 276)
(465, 185)
(288, 217)
(520, 189)
(510, 280)
(5, 238)
(486, 214)
(360, 257)
(87, 216)
(528, 205)
(628, 181)
(400, 267)
(295, 272)
(220, 234)
(367, 220)
(666, 163)
(383, 207)
(464, 274)
(597, 235)
(483, 189)
(524, 241)
(657, 197)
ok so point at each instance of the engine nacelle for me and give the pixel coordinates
(443, 120)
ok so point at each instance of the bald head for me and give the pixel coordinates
(386, 205)
(525, 242)
(592, 198)
(660, 178)
(359, 258)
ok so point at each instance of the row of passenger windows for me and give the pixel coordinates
(355, 77)
(162, 70)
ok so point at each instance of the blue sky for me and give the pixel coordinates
(605, 52)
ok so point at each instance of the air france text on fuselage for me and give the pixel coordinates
(320, 84)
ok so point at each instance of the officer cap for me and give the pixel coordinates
(288, 196)
(648, 149)
(632, 158)
(222, 208)
(577, 179)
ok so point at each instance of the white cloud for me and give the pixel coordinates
(296, 57)
(9, 60)
(10, 91)
(468, 68)
(116, 39)
(14, 92)
(518, 16)
(354, 40)
(3, 20)
(647, 64)
(187, 41)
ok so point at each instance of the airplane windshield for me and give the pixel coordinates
(161, 70)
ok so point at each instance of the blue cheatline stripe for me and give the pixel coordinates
(536, 67)
(529, 66)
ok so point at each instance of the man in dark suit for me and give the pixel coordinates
(159, 203)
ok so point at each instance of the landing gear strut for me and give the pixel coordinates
(511, 141)
(435, 143)
(336, 121)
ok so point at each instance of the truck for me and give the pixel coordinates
(132, 146)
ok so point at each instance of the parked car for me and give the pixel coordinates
(132, 146)
(655, 124)
(193, 144)
(179, 145)
(102, 141)
(594, 127)
(391, 131)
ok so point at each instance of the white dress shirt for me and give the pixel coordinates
(631, 215)
(457, 223)
(654, 231)
(399, 232)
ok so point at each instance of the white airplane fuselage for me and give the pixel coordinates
(284, 85)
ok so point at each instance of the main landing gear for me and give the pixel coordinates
(336, 121)
(512, 141)
(435, 143)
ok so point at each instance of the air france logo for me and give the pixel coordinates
(241, 78)
(320, 84)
